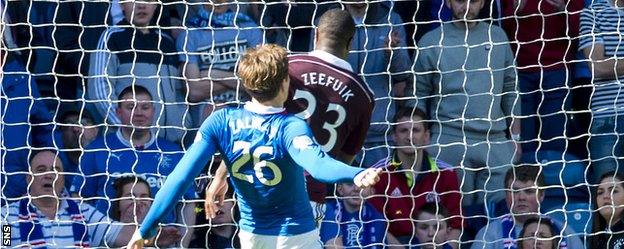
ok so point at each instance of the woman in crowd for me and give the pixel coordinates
(539, 233)
(607, 217)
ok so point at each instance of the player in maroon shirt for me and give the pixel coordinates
(326, 92)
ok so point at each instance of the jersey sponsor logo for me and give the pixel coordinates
(153, 181)
(302, 142)
(222, 55)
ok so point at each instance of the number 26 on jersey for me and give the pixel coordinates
(259, 165)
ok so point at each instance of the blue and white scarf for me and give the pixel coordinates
(228, 19)
(31, 231)
(509, 242)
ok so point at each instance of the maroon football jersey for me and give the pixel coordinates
(334, 101)
(336, 104)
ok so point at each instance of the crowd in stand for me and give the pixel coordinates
(484, 109)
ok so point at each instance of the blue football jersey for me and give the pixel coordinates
(110, 157)
(266, 150)
(365, 228)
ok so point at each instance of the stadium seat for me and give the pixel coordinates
(559, 168)
(577, 216)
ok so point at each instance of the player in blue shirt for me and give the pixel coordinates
(266, 151)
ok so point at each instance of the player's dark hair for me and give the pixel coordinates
(118, 185)
(540, 221)
(525, 173)
(262, 70)
(134, 90)
(409, 112)
(336, 25)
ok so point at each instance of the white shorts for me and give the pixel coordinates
(304, 241)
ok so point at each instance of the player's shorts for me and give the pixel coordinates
(304, 241)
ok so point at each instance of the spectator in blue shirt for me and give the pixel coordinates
(25, 123)
(135, 149)
(601, 43)
(77, 131)
(353, 223)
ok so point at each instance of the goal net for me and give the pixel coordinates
(488, 115)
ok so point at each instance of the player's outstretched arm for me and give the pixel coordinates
(176, 185)
(307, 153)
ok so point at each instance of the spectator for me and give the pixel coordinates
(131, 204)
(542, 35)
(607, 212)
(33, 27)
(77, 131)
(539, 233)
(351, 222)
(224, 230)
(210, 49)
(136, 54)
(525, 192)
(379, 55)
(414, 178)
(432, 228)
(133, 150)
(52, 221)
(601, 42)
(25, 122)
(77, 34)
(290, 30)
(466, 82)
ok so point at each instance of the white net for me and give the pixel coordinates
(117, 90)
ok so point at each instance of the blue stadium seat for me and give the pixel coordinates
(577, 215)
(559, 168)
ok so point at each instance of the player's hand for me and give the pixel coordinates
(137, 241)
(215, 193)
(367, 178)
(168, 236)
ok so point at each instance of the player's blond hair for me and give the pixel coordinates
(262, 70)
